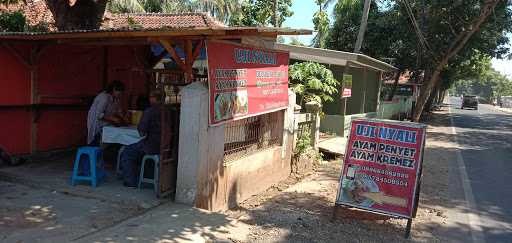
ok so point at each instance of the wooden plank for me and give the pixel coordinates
(118, 34)
(33, 114)
(365, 86)
(189, 61)
(35, 54)
(16, 54)
(168, 47)
(104, 67)
(168, 151)
(197, 50)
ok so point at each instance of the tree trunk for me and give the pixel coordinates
(275, 18)
(77, 15)
(454, 48)
(362, 28)
(431, 100)
(395, 85)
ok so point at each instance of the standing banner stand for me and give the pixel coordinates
(382, 168)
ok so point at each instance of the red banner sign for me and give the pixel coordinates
(382, 165)
(245, 81)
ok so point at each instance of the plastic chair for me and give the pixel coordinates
(95, 170)
(156, 165)
(118, 169)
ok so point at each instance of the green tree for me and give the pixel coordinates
(384, 18)
(220, 9)
(296, 42)
(321, 22)
(456, 30)
(450, 33)
(12, 22)
(260, 13)
(312, 81)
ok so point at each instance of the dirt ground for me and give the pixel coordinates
(301, 209)
(30, 214)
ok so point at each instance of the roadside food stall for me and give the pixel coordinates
(51, 78)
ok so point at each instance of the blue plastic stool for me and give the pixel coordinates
(156, 163)
(95, 170)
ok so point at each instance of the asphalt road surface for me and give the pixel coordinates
(485, 169)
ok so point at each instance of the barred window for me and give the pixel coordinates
(253, 134)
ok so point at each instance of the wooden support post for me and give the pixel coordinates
(197, 50)
(18, 56)
(343, 100)
(34, 95)
(104, 78)
(379, 91)
(364, 89)
(168, 47)
(189, 61)
(191, 54)
(343, 113)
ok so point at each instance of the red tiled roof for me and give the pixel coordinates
(36, 11)
(405, 79)
(160, 21)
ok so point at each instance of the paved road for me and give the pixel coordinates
(486, 139)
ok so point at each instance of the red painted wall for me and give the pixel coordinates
(66, 74)
(14, 80)
(61, 129)
(15, 90)
(15, 131)
(70, 71)
(124, 66)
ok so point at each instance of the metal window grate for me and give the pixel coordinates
(253, 134)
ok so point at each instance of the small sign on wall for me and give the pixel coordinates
(347, 86)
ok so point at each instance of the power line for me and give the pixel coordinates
(423, 42)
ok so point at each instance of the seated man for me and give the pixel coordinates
(149, 128)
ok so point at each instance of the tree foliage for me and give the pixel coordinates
(296, 42)
(260, 13)
(492, 85)
(12, 22)
(436, 39)
(321, 22)
(313, 82)
(477, 77)
(220, 9)
(17, 22)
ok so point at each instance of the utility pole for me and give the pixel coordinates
(276, 11)
(362, 28)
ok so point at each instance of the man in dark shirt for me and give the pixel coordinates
(150, 129)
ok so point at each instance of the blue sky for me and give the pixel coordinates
(303, 11)
(303, 18)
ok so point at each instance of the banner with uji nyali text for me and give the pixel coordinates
(382, 166)
(245, 81)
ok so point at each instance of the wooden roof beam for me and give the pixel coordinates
(17, 54)
(197, 50)
(168, 47)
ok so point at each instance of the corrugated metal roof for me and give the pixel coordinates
(333, 57)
